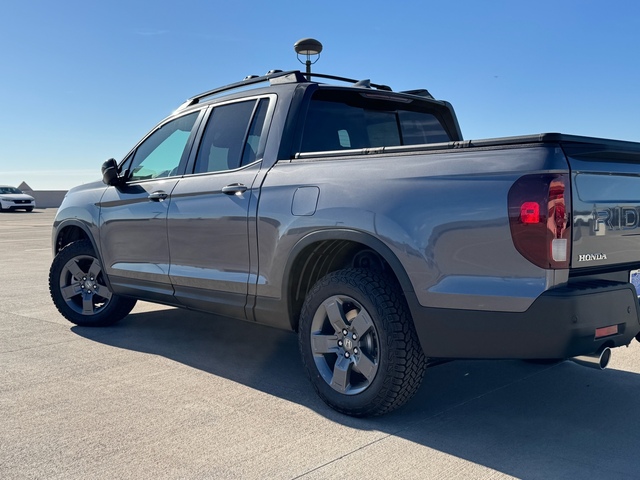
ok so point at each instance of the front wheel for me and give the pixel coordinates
(79, 291)
(358, 343)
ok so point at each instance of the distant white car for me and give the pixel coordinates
(12, 198)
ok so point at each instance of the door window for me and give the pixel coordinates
(231, 138)
(161, 152)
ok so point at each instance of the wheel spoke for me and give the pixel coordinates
(362, 323)
(87, 305)
(366, 367)
(70, 291)
(75, 270)
(321, 344)
(341, 373)
(335, 314)
(95, 269)
(103, 291)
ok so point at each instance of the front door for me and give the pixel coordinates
(133, 216)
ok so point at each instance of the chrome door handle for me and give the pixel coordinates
(158, 196)
(234, 189)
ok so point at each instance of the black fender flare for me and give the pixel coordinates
(356, 236)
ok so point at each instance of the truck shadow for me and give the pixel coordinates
(525, 420)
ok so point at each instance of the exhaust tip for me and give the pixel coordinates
(598, 360)
(605, 356)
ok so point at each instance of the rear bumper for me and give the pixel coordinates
(561, 323)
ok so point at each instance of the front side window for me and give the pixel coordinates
(339, 120)
(231, 137)
(161, 152)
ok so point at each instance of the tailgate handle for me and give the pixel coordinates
(234, 189)
(158, 196)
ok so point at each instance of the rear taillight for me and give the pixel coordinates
(539, 216)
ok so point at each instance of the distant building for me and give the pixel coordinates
(44, 198)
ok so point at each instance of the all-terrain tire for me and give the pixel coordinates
(358, 343)
(79, 291)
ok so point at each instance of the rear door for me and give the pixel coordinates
(208, 219)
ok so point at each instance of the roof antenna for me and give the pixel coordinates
(308, 47)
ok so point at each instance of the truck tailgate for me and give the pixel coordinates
(605, 176)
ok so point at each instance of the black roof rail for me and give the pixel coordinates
(360, 83)
(273, 77)
(276, 77)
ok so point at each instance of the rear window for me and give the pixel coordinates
(339, 120)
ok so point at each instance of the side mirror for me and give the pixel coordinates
(110, 173)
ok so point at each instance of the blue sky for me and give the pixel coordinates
(82, 81)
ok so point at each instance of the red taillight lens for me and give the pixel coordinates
(539, 217)
(530, 212)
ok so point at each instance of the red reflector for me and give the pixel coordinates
(606, 331)
(530, 212)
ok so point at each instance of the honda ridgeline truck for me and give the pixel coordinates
(359, 218)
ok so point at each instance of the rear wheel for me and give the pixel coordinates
(358, 343)
(79, 291)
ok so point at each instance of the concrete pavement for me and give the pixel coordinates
(173, 394)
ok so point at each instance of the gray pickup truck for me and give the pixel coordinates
(360, 218)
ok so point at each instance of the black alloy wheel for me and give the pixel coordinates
(79, 291)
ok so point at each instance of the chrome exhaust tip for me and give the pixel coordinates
(598, 360)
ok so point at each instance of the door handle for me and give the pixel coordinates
(234, 189)
(158, 196)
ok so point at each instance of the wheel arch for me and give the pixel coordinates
(71, 231)
(325, 251)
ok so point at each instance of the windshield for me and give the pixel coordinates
(7, 190)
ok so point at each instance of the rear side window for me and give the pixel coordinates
(339, 120)
(232, 136)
